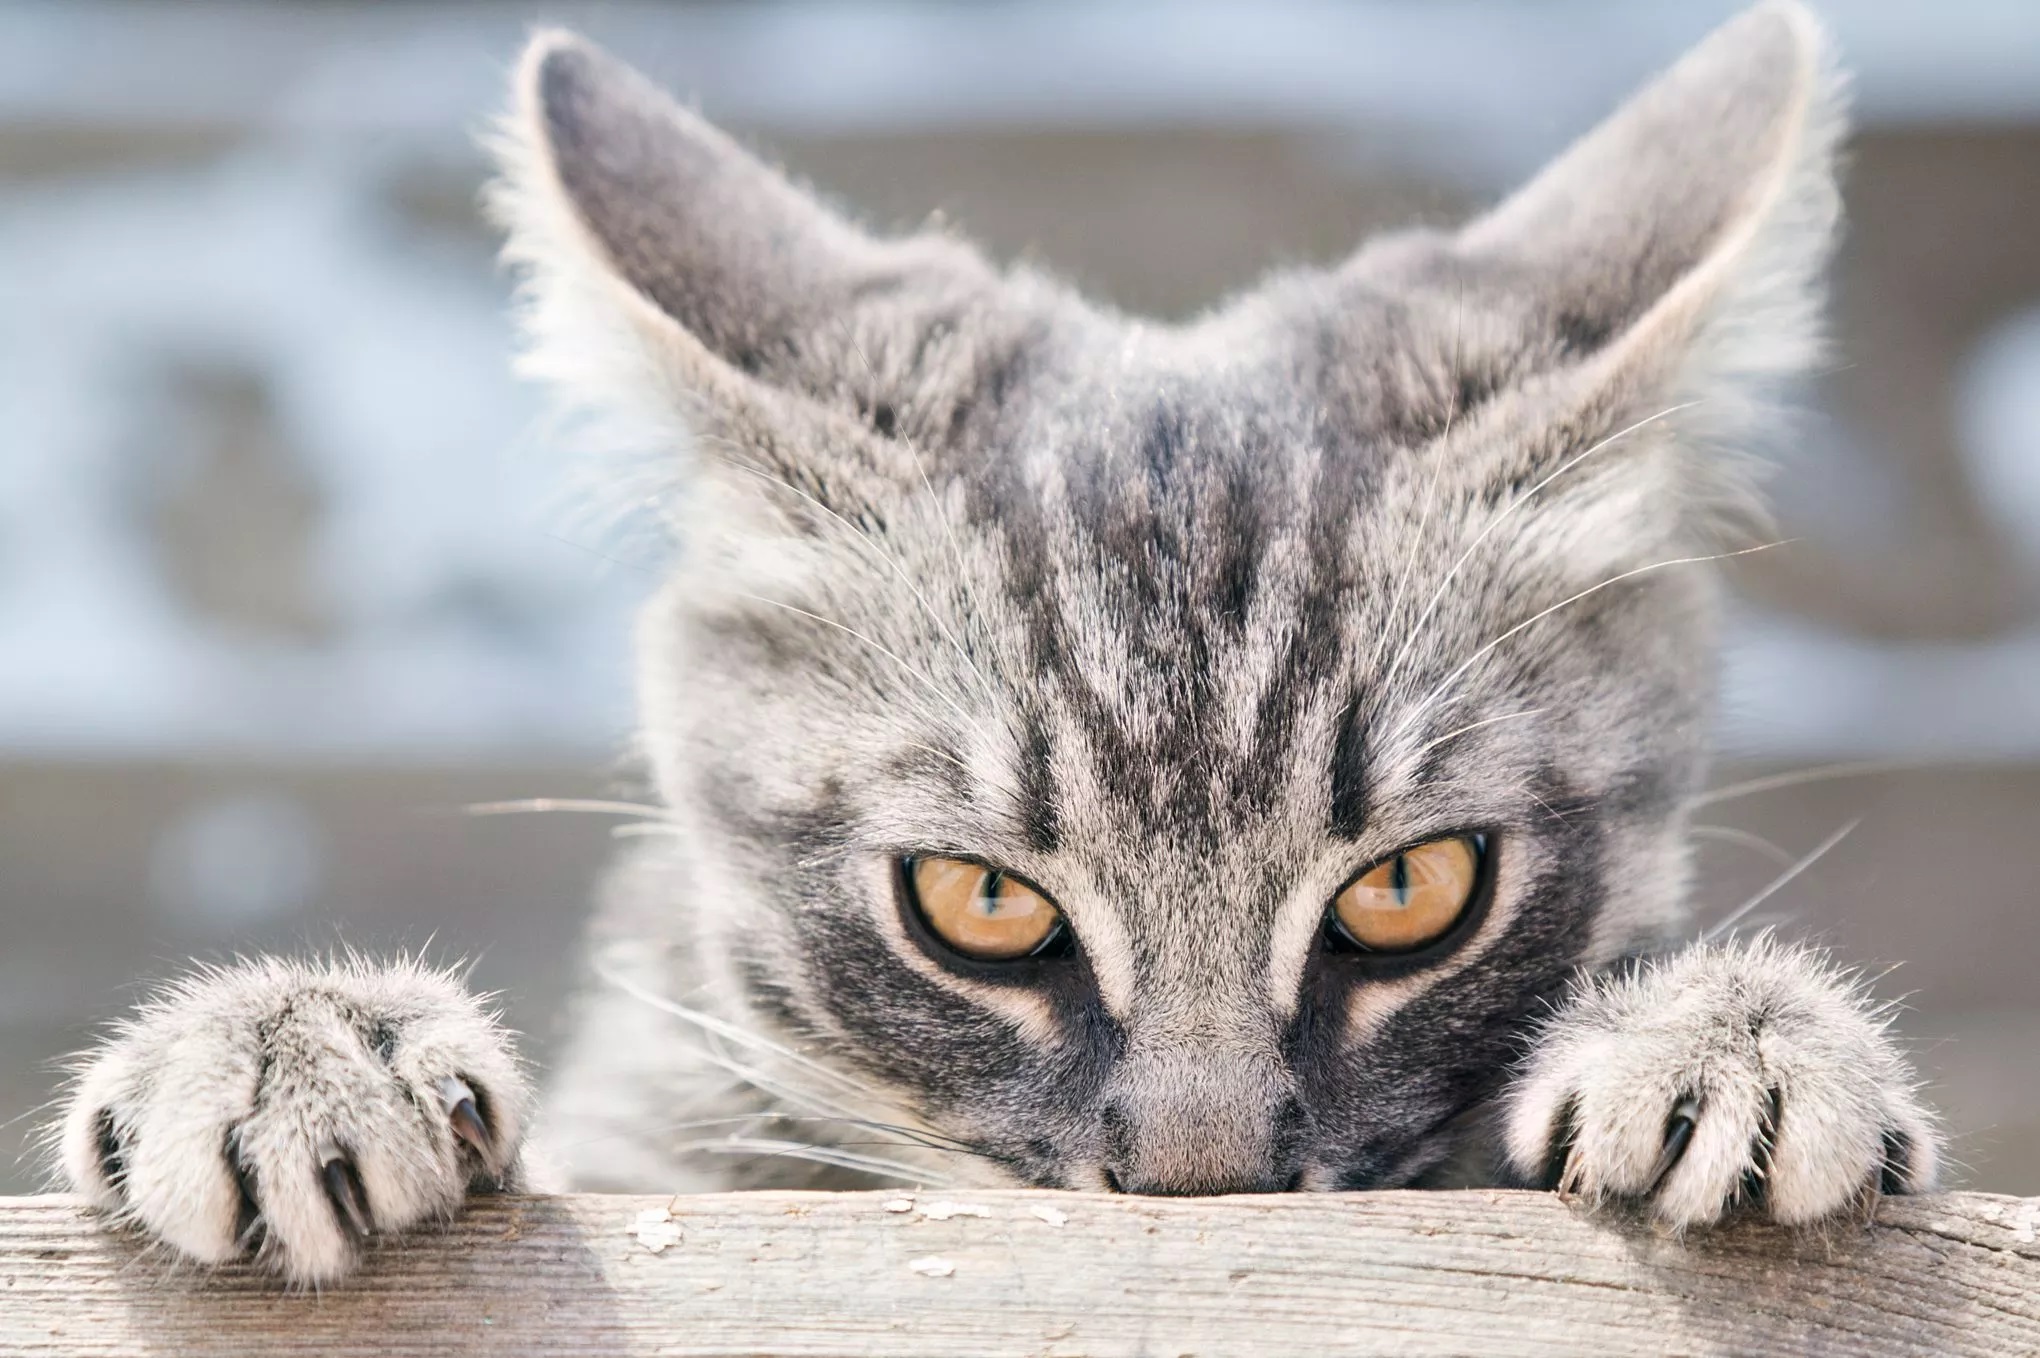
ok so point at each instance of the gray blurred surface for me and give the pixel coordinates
(116, 874)
(289, 573)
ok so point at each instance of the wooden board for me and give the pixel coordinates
(1060, 1274)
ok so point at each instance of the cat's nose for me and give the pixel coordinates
(1187, 1151)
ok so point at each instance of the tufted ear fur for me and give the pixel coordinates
(1673, 256)
(1668, 262)
(1665, 268)
(1685, 236)
(671, 278)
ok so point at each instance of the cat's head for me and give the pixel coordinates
(1183, 757)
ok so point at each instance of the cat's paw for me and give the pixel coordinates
(293, 1110)
(1751, 1073)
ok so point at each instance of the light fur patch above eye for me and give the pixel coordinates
(1411, 898)
(984, 913)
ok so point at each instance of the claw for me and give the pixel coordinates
(1895, 1174)
(112, 1155)
(1755, 1183)
(1561, 1161)
(248, 1224)
(465, 1117)
(350, 1199)
(1678, 1135)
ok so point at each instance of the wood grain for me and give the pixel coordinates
(1060, 1274)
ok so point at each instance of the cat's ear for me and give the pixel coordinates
(667, 271)
(1674, 254)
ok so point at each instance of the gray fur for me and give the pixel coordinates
(1187, 625)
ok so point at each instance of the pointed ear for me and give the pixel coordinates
(1674, 254)
(667, 270)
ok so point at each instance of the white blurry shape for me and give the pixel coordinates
(1998, 405)
(234, 861)
(465, 623)
(1795, 689)
(656, 1230)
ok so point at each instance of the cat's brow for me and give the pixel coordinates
(1417, 629)
(1443, 686)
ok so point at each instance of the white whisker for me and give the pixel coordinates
(890, 561)
(934, 500)
(1779, 882)
(821, 1155)
(932, 687)
(643, 829)
(1395, 601)
(1424, 705)
(1417, 629)
(1853, 769)
(1428, 746)
(1006, 788)
(1728, 834)
(751, 1077)
(591, 806)
(723, 1028)
(904, 1136)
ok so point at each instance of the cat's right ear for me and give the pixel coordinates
(1673, 256)
(670, 275)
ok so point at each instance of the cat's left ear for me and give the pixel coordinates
(1674, 254)
(670, 274)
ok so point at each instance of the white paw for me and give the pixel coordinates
(294, 1110)
(1752, 1073)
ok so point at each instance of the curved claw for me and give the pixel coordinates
(1678, 1135)
(1561, 1161)
(350, 1199)
(466, 1118)
(248, 1223)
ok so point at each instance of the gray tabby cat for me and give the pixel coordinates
(1239, 756)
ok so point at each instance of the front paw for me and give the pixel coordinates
(1751, 1073)
(294, 1110)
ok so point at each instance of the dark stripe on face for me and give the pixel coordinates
(1038, 811)
(1163, 443)
(1172, 549)
(1349, 793)
(938, 763)
(1315, 654)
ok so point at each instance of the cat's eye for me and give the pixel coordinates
(1411, 898)
(981, 912)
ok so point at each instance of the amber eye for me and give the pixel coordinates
(1412, 898)
(980, 911)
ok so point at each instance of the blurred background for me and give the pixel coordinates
(289, 574)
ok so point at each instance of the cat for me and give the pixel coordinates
(1246, 755)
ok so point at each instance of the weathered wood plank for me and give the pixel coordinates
(1056, 1274)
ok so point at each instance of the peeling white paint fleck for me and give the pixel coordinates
(942, 1211)
(656, 1230)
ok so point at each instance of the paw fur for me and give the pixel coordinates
(1751, 1073)
(292, 1110)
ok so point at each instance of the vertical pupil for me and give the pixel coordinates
(1399, 878)
(988, 902)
